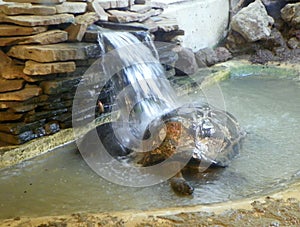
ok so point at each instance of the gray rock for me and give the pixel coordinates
(252, 22)
(223, 54)
(294, 43)
(206, 57)
(291, 14)
(186, 63)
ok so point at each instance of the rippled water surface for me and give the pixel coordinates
(269, 109)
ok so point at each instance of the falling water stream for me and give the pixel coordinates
(60, 182)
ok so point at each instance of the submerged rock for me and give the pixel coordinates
(252, 22)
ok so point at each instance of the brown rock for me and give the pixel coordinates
(94, 6)
(127, 16)
(49, 37)
(17, 139)
(11, 85)
(36, 68)
(12, 72)
(26, 93)
(59, 86)
(76, 31)
(13, 105)
(8, 116)
(56, 52)
(27, 8)
(49, 2)
(4, 61)
(71, 7)
(36, 20)
(15, 30)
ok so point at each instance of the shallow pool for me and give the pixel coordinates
(268, 108)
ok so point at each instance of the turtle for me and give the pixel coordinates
(210, 136)
(199, 134)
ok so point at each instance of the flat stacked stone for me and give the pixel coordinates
(55, 52)
(48, 37)
(45, 49)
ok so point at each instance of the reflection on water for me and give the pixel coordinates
(269, 109)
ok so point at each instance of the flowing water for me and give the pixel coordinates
(60, 182)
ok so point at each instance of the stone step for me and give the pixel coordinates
(36, 68)
(10, 85)
(27, 8)
(21, 95)
(36, 20)
(48, 37)
(15, 30)
(55, 52)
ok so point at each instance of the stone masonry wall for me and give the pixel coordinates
(45, 48)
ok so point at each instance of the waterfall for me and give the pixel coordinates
(142, 91)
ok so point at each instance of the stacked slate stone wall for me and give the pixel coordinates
(46, 47)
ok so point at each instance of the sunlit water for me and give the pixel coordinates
(269, 109)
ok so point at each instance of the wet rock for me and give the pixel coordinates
(49, 37)
(49, 2)
(36, 68)
(71, 7)
(51, 128)
(17, 139)
(94, 6)
(27, 8)
(34, 20)
(252, 22)
(55, 52)
(126, 26)
(36, 116)
(77, 30)
(186, 63)
(21, 95)
(15, 30)
(60, 86)
(206, 57)
(11, 85)
(167, 36)
(18, 128)
(291, 14)
(140, 1)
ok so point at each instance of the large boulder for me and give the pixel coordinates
(253, 22)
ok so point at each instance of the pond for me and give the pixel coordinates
(268, 108)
